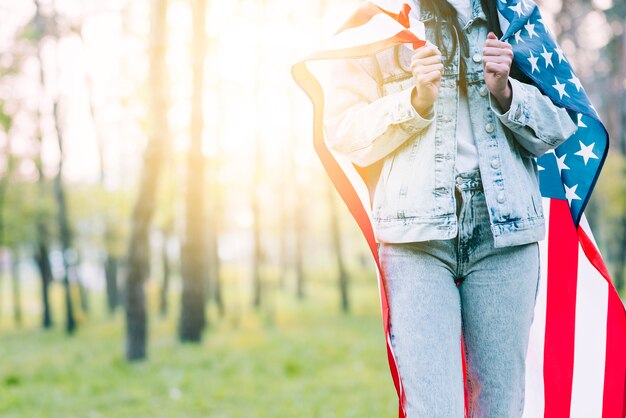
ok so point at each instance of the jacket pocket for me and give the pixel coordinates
(380, 196)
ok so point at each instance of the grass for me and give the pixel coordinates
(304, 360)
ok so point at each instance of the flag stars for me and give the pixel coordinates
(560, 54)
(518, 36)
(570, 193)
(581, 124)
(575, 81)
(560, 163)
(586, 152)
(547, 56)
(517, 9)
(533, 62)
(530, 28)
(560, 87)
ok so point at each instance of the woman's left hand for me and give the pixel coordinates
(497, 60)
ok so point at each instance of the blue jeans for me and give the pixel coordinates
(440, 289)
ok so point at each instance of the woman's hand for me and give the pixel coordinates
(497, 60)
(427, 68)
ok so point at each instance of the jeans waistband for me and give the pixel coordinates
(469, 180)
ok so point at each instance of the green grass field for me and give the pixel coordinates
(307, 361)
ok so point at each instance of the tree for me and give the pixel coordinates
(144, 208)
(192, 319)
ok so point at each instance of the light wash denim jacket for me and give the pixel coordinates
(411, 160)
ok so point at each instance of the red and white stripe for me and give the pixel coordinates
(572, 369)
(576, 360)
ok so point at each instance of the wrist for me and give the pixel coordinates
(504, 96)
(422, 107)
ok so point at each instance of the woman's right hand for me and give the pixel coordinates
(427, 70)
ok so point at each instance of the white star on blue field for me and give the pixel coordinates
(570, 171)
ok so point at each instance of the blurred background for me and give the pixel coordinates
(170, 246)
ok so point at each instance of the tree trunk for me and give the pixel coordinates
(620, 262)
(41, 251)
(336, 247)
(45, 271)
(192, 319)
(110, 275)
(257, 256)
(165, 284)
(215, 203)
(83, 293)
(17, 289)
(297, 207)
(110, 260)
(143, 211)
(64, 227)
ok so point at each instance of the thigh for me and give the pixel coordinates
(498, 299)
(425, 327)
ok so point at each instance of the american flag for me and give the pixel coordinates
(576, 360)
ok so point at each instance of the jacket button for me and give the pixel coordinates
(501, 198)
(459, 180)
(495, 163)
(489, 127)
(482, 91)
(477, 58)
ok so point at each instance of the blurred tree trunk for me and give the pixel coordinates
(41, 251)
(192, 319)
(298, 207)
(165, 259)
(143, 211)
(336, 247)
(257, 250)
(59, 191)
(83, 292)
(215, 203)
(60, 198)
(45, 270)
(109, 259)
(620, 261)
(167, 224)
(7, 122)
(111, 264)
(214, 288)
(17, 289)
(257, 256)
(64, 226)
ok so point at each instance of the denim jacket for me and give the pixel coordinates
(410, 159)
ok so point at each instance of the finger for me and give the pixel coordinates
(498, 60)
(495, 68)
(493, 51)
(431, 77)
(428, 69)
(491, 35)
(426, 51)
(434, 59)
(497, 44)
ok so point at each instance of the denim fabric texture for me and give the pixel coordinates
(440, 289)
(411, 157)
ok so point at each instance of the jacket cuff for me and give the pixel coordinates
(405, 114)
(518, 114)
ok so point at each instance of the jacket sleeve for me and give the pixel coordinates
(362, 124)
(537, 123)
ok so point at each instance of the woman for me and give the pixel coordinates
(449, 134)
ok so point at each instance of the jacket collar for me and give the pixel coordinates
(477, 12)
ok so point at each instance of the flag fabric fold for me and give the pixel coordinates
(576, 361)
